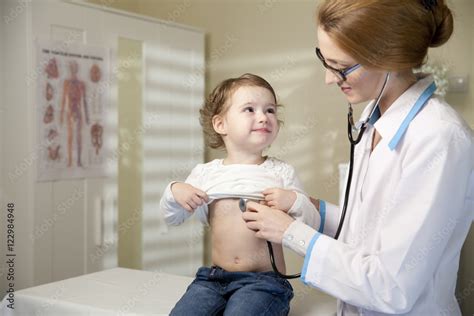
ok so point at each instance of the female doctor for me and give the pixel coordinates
(411, 196)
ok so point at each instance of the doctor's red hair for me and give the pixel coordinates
(386, 34)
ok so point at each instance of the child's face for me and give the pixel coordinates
(250, 123)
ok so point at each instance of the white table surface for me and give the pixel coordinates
(121, 291)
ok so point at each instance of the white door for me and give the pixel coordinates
(82, 237)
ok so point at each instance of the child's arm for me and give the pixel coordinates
(279, 198)
(188, 196)
(293, 199)
(182, 199)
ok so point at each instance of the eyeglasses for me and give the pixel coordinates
(341, 74)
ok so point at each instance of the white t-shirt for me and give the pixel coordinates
(247, 180)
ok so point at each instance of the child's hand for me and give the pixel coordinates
(188, 196)
(279, 198)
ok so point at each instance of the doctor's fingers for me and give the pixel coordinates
(256, 207)
(250, 216)
(255, 226)
(263, 232)
(267, 202)
(271, 204)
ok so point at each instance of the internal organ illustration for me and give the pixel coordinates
(49, 91)
(96, 137)
(72, 104)
(53, 152)
(95, 73)
(52, 69)
(48, 115)
(52, 134)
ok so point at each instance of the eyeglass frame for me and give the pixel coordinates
(341, 73)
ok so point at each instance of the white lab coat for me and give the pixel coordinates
(409, 212)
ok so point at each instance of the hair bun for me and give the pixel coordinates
(443, 24)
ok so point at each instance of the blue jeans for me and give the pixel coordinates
(215, 291)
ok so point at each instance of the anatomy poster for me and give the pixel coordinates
(71, 100)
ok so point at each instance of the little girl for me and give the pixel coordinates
(240, 115)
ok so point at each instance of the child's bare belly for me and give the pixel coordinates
(234, 246)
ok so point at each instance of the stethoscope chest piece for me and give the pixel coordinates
(242, 204)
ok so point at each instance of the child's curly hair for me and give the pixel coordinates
(216, 104)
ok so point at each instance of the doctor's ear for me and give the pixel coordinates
(218, 123)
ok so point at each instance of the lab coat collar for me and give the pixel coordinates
(388, 124)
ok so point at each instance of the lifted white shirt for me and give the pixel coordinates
(221, 181)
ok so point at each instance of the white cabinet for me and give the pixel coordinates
(53, 244)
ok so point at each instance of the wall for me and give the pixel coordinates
(130, 161)
(457, 55)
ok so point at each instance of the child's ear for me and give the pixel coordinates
(218, 123)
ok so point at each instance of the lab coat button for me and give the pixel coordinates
(289, 237)
(301, 242)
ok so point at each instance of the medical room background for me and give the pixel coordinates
(274, 39)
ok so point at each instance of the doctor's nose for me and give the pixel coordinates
(330, 77)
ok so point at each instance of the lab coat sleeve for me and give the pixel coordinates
(417, 223)
(330, 215)
(302, 209)
(174, 214)
(298, 236)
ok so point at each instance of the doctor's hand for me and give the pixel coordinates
(268, 223)
(188, 196)
(279, 198)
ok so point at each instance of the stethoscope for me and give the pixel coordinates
(359, 127)
(352, 127)
(243, 208)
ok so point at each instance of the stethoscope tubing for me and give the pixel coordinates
(353, 142)
(349, 176)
